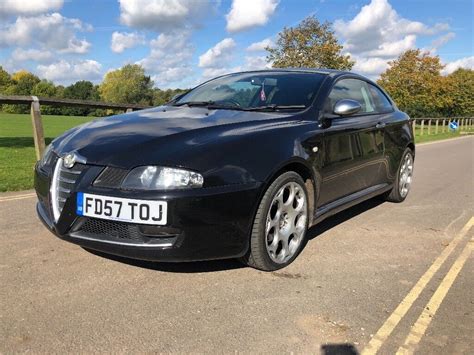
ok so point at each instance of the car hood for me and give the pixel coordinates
(153, 135)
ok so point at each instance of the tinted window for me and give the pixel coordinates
(247, 90)
(353, 89)
(382, 104)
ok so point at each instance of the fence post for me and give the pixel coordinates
(38, 133)
(129, 110)
(422, 127)
(429, 126)
(444, 123)
(436, 126)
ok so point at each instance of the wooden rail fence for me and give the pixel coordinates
(422, 125)
(428, 126)
(37, 122)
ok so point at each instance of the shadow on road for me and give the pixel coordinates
(343, 216)
(231, 264)
(339, 349)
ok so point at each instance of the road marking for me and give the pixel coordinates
(443, 140)
(419, 328)
(392, 321)
(17, 197)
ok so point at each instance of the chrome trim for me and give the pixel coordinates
(122, 243)
(55, 190)
(62, 189)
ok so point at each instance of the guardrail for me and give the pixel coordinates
(438, 125)
(37, 122)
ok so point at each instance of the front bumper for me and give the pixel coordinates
(203, 224)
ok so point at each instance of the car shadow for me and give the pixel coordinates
(341, 217)
(339, 349)
(232, 264)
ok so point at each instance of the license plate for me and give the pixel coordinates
(122, 209)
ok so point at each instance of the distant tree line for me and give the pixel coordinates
(128, 84)
(414, 80)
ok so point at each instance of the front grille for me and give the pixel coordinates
(63, 183)
(125, 233)
(111, 177)
(111, 229)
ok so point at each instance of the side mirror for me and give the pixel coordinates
(346, 107)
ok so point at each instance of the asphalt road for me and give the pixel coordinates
(372, 278)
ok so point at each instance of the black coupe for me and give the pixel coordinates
(238, 167)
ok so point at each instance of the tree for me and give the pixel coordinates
(161, 97)
(415, 83)
(310, 44)
(128, 84)
(23, 83)
(81, 90)
(5, 80)
(46, 88)
(463, 92)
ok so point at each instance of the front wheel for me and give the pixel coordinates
(404, 178)
(280, 225)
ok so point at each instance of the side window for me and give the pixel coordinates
(382, 104)
(353, 89)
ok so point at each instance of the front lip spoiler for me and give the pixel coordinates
(140, 245)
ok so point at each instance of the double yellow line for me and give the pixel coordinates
(418, 329)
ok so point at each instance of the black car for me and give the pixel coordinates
(238, 167)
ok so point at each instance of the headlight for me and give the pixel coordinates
(46, 155)
(161, 178)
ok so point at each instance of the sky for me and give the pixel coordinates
(180, 43)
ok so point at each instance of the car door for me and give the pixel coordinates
(352, 145)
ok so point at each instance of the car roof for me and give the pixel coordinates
(330, 72)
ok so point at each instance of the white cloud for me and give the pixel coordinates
(260, 46)
(23, 55)
(123, 40)
(219, 55)
(378, 34)
(28, 7)
(245, 14)
(66, 72)
(162, 15)
(50, 31)
(467, 63)
(256, 63)
(441, 41)
(170, 58)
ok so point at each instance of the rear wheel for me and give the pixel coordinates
(404, 178)
(280, 225)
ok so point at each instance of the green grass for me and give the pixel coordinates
(17, 153)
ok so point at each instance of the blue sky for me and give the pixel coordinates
(182, 42)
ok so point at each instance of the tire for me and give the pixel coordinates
(402, 184)
(280, 225)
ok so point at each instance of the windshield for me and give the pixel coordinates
(258, 90)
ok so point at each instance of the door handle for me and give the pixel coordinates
(380, 125)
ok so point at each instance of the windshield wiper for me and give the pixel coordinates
(275, 108)
(194, 103)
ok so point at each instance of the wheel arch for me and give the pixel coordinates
(309, 176)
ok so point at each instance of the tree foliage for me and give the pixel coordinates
(311, 44)
(128, 84)
(81, 90)
(415, 83)
(462, 84)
